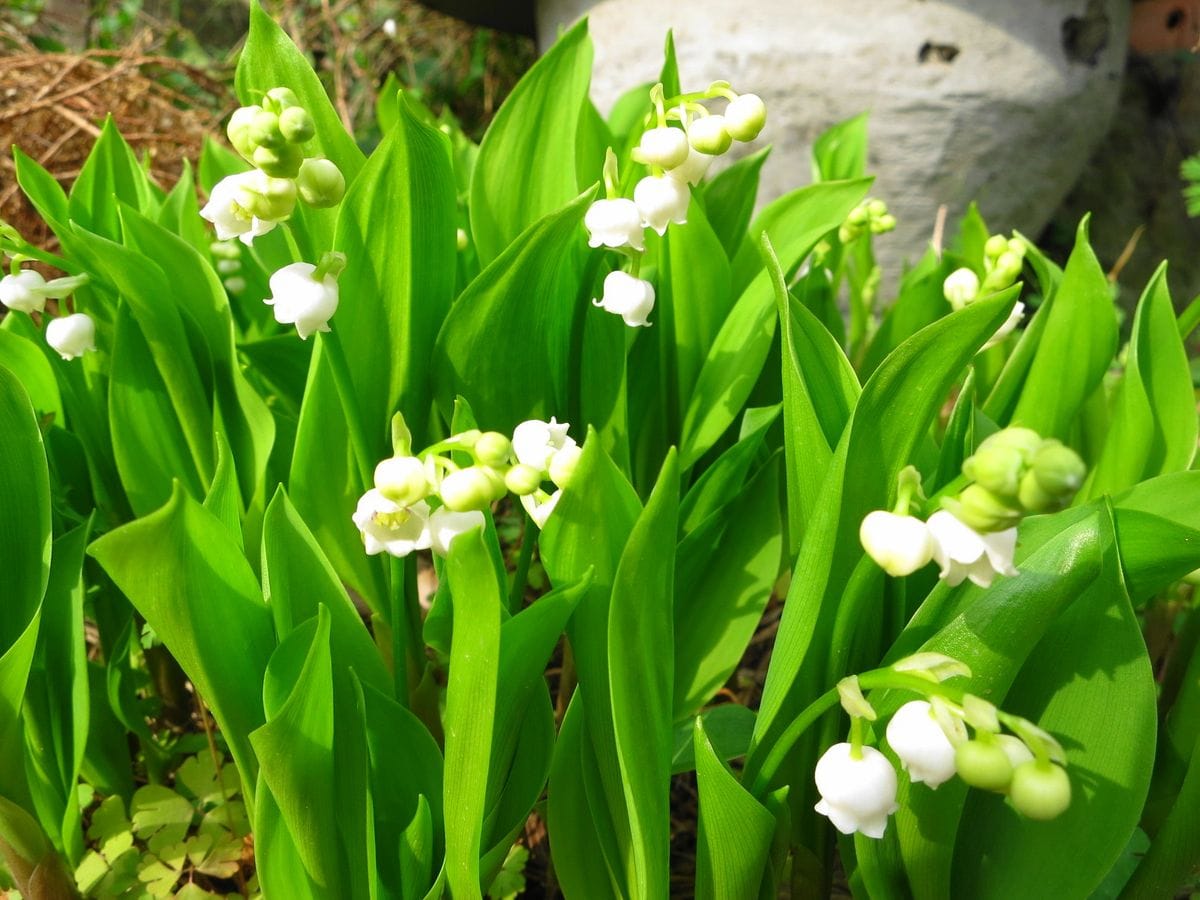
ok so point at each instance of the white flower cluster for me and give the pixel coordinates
(858, 783)
(26, 290)
(424, 501)
(271, 137)
(678, 158)
(1002, 262)
(902, 544)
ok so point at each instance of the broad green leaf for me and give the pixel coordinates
(295, 749)
(723, 480)
(25, 360)
(110, 175)
(841, 151)
(222, 499)
(729, 199)
(1075, 349)
(180, 213)
(794, 224)
(526, 164)
(725, 570)
(641, 661)
(186, 575)
(1175, 850)
(921, 302)
(43, 191)
(529, 300)
(1154, 425)
(734, 833)
(470, 706)
(728, 727)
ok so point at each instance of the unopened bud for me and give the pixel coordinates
(264, 130)
(563, 463)
(1006, 271)
(466, 489)
(995, 245)
(281, 98)
(321, 183)
(522, 479)
(402, 479)
(493, 449)
(876, 208)
(282, 161)
(460, 239)
(983, 764)
(664, 146)
(997, 468)
(707, 134)
(745, 117)
(1059, 470)
(1040, 790)
(985, 511)
(296, 125)
(884, 224)
(1026, 441)
(272, 199)
(1015, 749)
(238, 130)
(960, 287)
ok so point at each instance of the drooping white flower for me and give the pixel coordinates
(72, 336)
(917, 738)
(392, 527)
(630, 298)
(301, 300)
(540, 505)
(614, 223)
(534, 442)
(856, 794)
(24, 291)
(691, 170)
(900, 544)
(960, 287)
(661, 200)
(962, 552)
(1013, 320)
(666, 147)
(248, 204)
(445, 525)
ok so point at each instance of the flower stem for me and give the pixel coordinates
(521, 575)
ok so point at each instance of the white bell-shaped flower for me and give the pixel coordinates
(694, 168)
(630, 298)
(392, 527)
(227, 207)
(534, 442)
(72, 336)
(917, 738)
(662, 200)
(960, 287)
(301, 300)
(445, 525)
(614, 223)
(1013, 320)
(666, 147)
(900, 544)
(540, 505)
(24, 291)
(962, 552)
(856, 794)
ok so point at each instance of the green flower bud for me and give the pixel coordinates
(271, 199)
(278, 162)
(1026, 441)
(281, 98)
(876, 208)
(707, 134)
(264, 130)
(1059, 470)
(493, 449)
(984, 511)
(884, 224)
(745, 117)
(995, 245)
(983, 764)
(1005, 272)
(1040, 790)
(496, 482)
(460, 239)
(858, 216)
(402, 479)
(296, 125)
(238, 130)
(523, 480)
(1017, 246)
(321, 183)
(466, 489)
(1035, 498)
(999, 469)
(562, 464)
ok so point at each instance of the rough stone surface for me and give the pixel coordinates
(973, 99)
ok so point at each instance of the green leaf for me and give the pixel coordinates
(531, 297)
(199, 776)
(526, 167)
(25, 360)
(921, 302)
(1154, 425)
(841, 151)
(723, 479)
(1075, 349)
(111, 175)
(728, 728)
(729, 199)
(794, 223)
(641, 661)
(470, 706)
(296, 751)
(735, 831)
(156, 808)
(186, 575)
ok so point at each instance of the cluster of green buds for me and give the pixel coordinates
(422, 500)
(271, 136)
(930, 738)
(1003, 259)
(1016, 472)
(869, 217)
